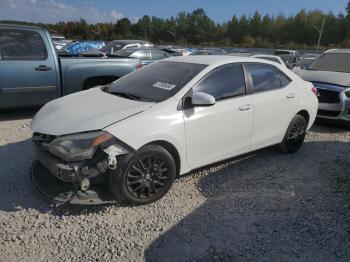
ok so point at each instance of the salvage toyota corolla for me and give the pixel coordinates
(133, 137)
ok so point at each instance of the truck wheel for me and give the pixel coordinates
(295, 135)
(144, 176)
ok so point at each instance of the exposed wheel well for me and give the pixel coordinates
(306, 115)
(173, 152)
(98, 80)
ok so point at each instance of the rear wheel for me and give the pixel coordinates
(144, 176)
(295, 135)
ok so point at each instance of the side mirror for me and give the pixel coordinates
(202, 99)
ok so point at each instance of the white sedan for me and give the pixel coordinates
(142, 131)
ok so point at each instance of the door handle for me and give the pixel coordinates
(43, 68)
(245, 107)
(292, 95)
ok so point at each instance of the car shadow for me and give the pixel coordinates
(324, 126)
(268, 207)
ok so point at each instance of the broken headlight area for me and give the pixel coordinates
(80, 159)
(77, 147)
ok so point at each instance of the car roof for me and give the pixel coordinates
(339, 50)
(215, 59)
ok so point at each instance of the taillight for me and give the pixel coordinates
(314, 90)
(138, 66)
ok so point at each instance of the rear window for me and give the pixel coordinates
(21, 45)
(266, 77)
(156, 82)
(336, 62)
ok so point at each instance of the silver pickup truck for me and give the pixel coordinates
(31, 73)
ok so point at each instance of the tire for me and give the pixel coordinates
(144, 176)
(295, 135)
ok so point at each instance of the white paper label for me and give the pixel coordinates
(163, 85)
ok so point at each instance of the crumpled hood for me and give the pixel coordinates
(84, 111)
(336, 78)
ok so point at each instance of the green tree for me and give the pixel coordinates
(123, 27)
(197, 28)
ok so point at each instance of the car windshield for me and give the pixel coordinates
(335, 62)
(156, 82)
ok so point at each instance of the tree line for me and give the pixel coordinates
(300, 31)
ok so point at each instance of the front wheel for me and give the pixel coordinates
(144, 176)
(295, 135)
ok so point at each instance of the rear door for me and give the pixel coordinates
(27, 68)
(276, 101)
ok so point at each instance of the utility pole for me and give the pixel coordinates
(320, 31)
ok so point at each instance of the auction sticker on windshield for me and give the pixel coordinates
(165, 86)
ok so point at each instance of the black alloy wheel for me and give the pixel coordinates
(147, 177)
(144, 176)
(295, 135)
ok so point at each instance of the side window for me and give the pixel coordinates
(284, 80)
(158, 55)
(266, 77)
(225, 81)
(21, 45)
(142, 55)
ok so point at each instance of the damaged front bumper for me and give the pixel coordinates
(78, 182)
(62, 192)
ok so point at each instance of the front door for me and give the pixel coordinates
(224, 129)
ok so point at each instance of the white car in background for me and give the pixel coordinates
(142, 131)
(272, 58)
(330, 74)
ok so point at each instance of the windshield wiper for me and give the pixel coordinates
(124, 95)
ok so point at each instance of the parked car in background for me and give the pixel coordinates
(31, 73)
(306, 60)
(330, 74)
(74, 48)
(184, 51)
(146, 55)
(273, 58)
(114, 46)
(290, 57)
(56, 37)
(184, 106)
(170, 50)
(209, 51)
(59, 41)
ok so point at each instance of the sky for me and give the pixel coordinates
(112, 10)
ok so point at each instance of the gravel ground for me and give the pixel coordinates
(263, 207)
